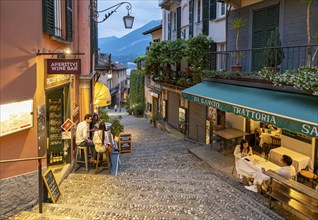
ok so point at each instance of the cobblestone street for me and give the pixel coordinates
(160, 179)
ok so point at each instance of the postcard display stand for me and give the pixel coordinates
(125, 143)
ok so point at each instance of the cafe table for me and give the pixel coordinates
(251, 165)
(300, 161)
(231, 134)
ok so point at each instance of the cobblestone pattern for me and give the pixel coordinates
(18, 193)
(158, 180)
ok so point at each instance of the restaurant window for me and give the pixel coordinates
(182, 119)
(163, 109)
(57, 18)
(149, 107)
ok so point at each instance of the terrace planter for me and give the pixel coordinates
(236, 68)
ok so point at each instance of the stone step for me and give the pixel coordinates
(161, 191)
(43, 216)
(124, 211)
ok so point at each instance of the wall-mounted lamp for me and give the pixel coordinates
(128, 19)
(60, 52)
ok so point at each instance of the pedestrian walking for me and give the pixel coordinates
(115, 108)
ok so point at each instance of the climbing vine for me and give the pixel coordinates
(137, 94)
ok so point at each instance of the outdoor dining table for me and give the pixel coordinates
(300, 161)
(251, 165)
(230, 134)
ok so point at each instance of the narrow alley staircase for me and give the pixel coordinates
(158, 180)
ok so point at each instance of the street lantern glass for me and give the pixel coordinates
(128, 21)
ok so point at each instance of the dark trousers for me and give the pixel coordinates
(91, 146)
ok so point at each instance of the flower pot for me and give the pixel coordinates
(236, 68)
(273, 69)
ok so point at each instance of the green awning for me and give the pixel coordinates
(295, 112)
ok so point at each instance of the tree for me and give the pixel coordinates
(237, 24)
(309, 54)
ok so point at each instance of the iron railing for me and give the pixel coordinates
(252, 60)
(39, 159)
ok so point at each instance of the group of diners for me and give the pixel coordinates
(251, 168)
(96, 136)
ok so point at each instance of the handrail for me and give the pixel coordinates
(39, 159)
(23, 159)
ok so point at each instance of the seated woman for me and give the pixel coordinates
(242, 150)
(102, 142)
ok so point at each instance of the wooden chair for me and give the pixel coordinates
(100, 162)
(311, 177)
(276, 142)
(79, 150)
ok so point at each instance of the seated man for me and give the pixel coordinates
(287, 170)
(82, 133)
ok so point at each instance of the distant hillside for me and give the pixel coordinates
(128, 47)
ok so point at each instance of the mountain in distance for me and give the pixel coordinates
(130, 46)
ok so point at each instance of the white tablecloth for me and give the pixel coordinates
(300, 161)
(254, 166)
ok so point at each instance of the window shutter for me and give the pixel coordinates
(48, 16)
(212, 9)
(169, 25)
(69, 20)
(179, 22)
(191, 18)
(213, 60)
(205, 17)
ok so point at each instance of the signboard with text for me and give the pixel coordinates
(67, 125)
(63, 66)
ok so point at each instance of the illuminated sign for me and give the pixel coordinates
(16, 117)
(63, 66)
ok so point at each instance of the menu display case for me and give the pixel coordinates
(55, 115)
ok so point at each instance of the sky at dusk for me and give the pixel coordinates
(144, 11)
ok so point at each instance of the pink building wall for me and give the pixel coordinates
(22, 72)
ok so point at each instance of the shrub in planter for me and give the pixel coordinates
(274, 56)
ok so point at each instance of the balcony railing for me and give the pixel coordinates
(252, 60)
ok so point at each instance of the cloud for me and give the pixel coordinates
(144, 11)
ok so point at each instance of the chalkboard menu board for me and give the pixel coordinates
(125, 142)
(51, 185)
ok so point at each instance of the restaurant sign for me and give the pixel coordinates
(63, 66)
(308, 129)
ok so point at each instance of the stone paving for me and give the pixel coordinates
(160, 179)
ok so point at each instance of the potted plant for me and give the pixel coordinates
(237, 24)
(154, 119)
(274, 55)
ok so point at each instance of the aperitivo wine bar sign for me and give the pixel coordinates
(63, 66)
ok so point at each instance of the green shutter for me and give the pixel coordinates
(205, 17)
(69, 20)
(265, 21)
(213, 59)
(48, 16)
(179, 22)
(212, 9)
(191, 18)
